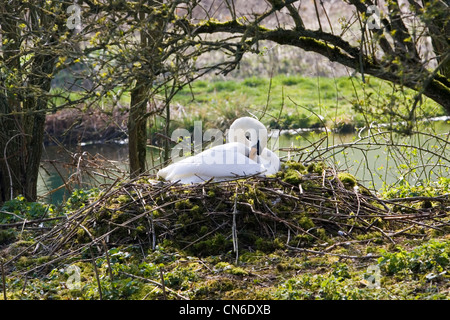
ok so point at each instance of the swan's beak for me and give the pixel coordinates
(255, 151)
(252, 154)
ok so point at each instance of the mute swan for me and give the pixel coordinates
(244, 154)
(253, 134)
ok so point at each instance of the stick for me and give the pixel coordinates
(163, 286)
(234, 228)
(96, 274)
(156, 283)
(3, 280)
(332, 254)
(107, 260)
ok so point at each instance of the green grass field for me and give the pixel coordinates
(288, 102)
(280, 102)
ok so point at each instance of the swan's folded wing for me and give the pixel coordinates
(270, 161)
(221, 163)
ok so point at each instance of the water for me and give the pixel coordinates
(369, 159)
(381, 157)
(59, 168)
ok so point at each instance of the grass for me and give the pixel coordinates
(408, 271)
(294, 101)
(282, 102)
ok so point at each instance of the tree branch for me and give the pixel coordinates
(335, 49)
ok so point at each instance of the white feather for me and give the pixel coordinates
(229, 160)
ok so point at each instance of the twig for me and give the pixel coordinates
(163, 286)
(369, 256)
(234, 228)
(3, 280)
(156, 283)
(96, 274)
(108, 260)
(440, 198)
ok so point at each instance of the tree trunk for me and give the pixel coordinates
(21, 146)
(150, 36)
(137, 130)
(35, 122)
(22, 112)
(11, 144)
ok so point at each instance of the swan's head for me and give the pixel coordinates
(251, 133)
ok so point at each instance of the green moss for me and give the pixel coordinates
(203, 230)
(214, 288)
(268, 245)
(306, 223)
(82, 236)
(141, 230)
(184, 219)
(7, 236)
(238, 271)
(196, 209)
(321, 234)
(119, 216)
(19, 246)
(218, 243)
(292, 176)
(264, 245)
(230, 269)
(316, 167)
(292, 172)
(24, 261)
(156, 213)
(102, 214)
(183, 205)
(295, 165)
(122, 199)
(302, 240)
(348, 180)
(220, 266)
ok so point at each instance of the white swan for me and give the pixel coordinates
(244, 154)
(253, 134)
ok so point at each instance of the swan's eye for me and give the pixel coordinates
(247, 135)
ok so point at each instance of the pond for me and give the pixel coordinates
(375, 159)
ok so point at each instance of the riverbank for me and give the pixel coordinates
(289, 103)
(74, 126)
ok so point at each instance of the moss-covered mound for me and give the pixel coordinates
(300, 207)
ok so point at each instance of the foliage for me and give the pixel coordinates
(79, 198)
(403, 189)
(19, 209)
(431, 258)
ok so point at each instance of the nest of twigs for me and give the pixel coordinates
(301, 208)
